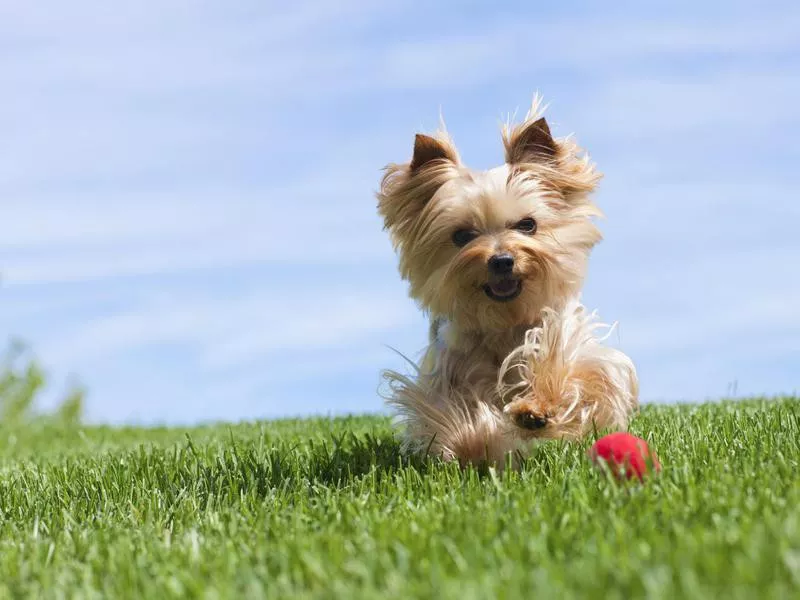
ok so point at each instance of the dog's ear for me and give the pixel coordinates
(427, 149)
(406, 188)
(530, 142)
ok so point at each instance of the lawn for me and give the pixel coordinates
(328, 508)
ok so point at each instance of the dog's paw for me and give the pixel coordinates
(526, 414)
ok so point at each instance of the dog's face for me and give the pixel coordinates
(490, 249)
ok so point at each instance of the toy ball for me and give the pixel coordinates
(626, 455)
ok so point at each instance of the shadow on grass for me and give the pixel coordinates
(339, 462)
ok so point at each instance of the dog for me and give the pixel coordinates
(497, 260)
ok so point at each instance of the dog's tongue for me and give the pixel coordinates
(504, 287)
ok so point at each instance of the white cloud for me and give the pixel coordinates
(601, 46)
(714, 324)
(228, 329)
(328, 218)
(234, 353)
(736, 105)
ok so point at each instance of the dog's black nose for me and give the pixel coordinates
(501, 264)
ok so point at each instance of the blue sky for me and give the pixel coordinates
(187, 189)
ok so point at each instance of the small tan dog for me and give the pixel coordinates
(497, 259)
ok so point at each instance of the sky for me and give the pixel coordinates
(187, 189)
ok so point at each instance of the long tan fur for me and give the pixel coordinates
(500, 371)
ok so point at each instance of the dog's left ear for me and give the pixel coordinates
(530, 142)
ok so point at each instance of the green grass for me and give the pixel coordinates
(328, 508)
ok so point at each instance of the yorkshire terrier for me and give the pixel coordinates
(497, 259)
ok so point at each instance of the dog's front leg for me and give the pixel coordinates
(568, 382)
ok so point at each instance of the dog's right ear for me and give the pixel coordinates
(427, 149)
(406, 188)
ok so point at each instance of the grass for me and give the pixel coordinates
(329, 508)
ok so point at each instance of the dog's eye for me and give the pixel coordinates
(462, 237)
(526, 226)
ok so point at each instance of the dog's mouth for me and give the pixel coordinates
(503, 290)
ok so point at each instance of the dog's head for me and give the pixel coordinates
(490, 249)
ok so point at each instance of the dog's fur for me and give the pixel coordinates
(513, 357)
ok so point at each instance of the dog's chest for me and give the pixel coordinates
(468, 360)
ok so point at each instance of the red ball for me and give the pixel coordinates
(625, 454)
